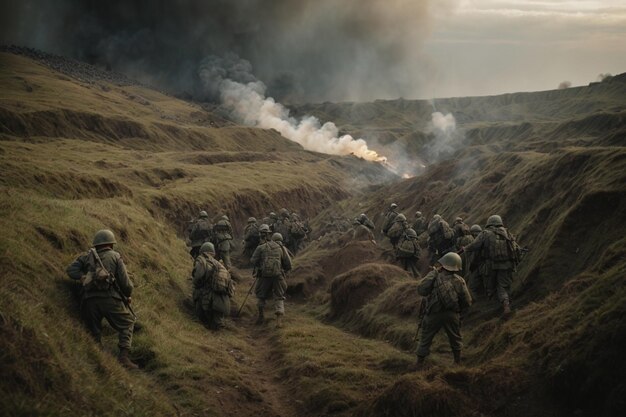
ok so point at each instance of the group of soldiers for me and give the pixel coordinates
(485, 257)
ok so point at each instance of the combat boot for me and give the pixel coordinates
(457, 356)
(125, 360)
(419, 365)
(279, 321)
(506, 308)
(260, 319)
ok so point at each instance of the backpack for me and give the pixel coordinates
(447, 231)
(463, 229)
(297, 230)
(271, 265)
(407, 249)
(446, 293)
(389, 218)
(503, 247)
(98, 277)
(221, 282)
(396, 229)
(222, 235)
(201, 230)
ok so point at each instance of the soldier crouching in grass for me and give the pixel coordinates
(106, 292)
(447, 299)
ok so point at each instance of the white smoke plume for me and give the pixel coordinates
(244, 98)
(447, 139)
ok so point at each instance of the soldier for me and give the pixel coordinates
(251, 238)
(200, 232)
(270, 262)
(419, 225)
(397, 229)
(360, 232)
(462, 233)
(278, 238)
(389, 217)
(273, 220)
(475, 269)
(441, 238)
(500, 254)
(365, 221)
(283, 224)
(223, 236)
(298, 230)
(212, 288)
(447, 299)
(106, 292)
(408, 252)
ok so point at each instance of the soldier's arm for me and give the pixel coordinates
(121, 275)
(465, 299)
(286, 260)
(426, 285)
(477, 244)
(197, 276)
(256, 257)
(78, 268)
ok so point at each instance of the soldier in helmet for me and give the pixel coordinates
(441, 237)
(408, 252)
(251, 237)
(361, 232)
(446, 299)
(278, 238)
(462, 233)
(365, 221)
(397, 229)
(419, 224)
(283, 225)
(473, 266)
(106, 292)
(389, 217)
(500, 255)
(212, 288)
(222, 238)
(270, 262)
(200, 231)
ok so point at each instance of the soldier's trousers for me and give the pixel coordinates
(267, 287)
(433, 322)
(224, 256)
(499, 281)
(214, 319)
(116, 314)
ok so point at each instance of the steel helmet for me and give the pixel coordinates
(451, 261)
(436, 217)
(494, 220)
(264, 229)
(204, 214)
(393, 205)
(411, 233)
(273, 215)
(362, 216)
(223, 223)
(356, 222)
(476, 228)
(283, 212)
(400, 217)
(207, 247)
(224, 217)
(277, 237)
(104, 237)
(458, 220)
(251, 220)
(418, 214)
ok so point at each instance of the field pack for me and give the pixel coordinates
(271, 265)
(221, 282)
(446, 293)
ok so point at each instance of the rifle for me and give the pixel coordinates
(256, 276)
(114, 283)
(420, 318)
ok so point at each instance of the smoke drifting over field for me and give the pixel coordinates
(447, 138)
(305, 50)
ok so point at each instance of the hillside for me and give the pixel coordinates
(81, 150)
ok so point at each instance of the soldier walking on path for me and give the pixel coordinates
(212, 288)
(200, 231)
(447, 299)
(106, 292)
(271, 263)
(408, 252)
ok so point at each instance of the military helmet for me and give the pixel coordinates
(475, 228)
(362, 216)
(277, 237)
(204, 214)
(494, 220)
(273, 215)
(283, 212)
(411, 233)
(451, 261)
(401, 217)
(393, 205)
(224, 217)
(458, 220)
(436, 217)
(418, 214)
(104, 237)
(251, 220)
(264, 229)
(207, 247)
(223, 223)
(356, 222)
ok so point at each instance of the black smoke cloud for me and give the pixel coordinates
(302, 50)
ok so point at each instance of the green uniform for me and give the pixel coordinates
(272, 262)
(362, 233)
(105, 303)
(441, 314)
(211, 306)
(420, 225)
(223, 237)
(408, 253)
(200, 232)
(498, 261)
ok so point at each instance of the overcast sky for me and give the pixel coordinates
(481, 47)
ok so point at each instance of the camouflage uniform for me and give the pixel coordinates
(498, 263)
(365, 221)
(361, 232)
(397, 229)
(211, 307)
(408, 252)
(271, 283)
(98, 304)
(200, 231)
(438, 316)
(222, 238)
(441, 238)
(419, 225)
(251, 237)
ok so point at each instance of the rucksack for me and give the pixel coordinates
(463, 229)
(503, 247)
(98, 277)
(396, 229)
(271, 264)
(201, 230)
(222, 235)
(297, 230)
(446, 293)
(221, 281)
(407, 249)
(389, 218)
